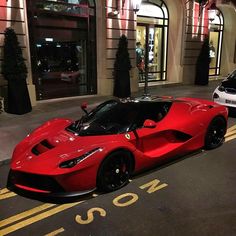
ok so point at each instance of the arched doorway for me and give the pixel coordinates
(152, 37)
(63, 45)
(216, 27)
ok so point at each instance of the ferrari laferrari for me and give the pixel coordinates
(107, 145)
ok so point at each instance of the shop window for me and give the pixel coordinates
(60, 65)
(215, 43)
(151, 38)
(63, 47)
(70, 7)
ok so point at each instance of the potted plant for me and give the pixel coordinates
(14, 70)
(122, 67)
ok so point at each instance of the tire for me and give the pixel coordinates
(215, 133)
(114, 171)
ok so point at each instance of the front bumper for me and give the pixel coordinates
(224, 98)
(39, 186)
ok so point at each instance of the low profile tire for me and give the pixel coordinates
(215, 133)
(114, 171)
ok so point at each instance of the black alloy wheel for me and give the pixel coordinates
(114, 171)
(215, 133)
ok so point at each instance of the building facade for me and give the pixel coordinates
(70, 46)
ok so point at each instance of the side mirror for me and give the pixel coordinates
(149, 124)
(84, 106)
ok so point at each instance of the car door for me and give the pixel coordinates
(153, 137)
(148, 135)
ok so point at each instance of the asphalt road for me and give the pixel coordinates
(195, 195)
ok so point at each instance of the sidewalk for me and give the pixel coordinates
(14, 128)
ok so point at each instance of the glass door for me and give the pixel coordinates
(140, 51)
(216, 27)
(214, 53)
(149, 39)
(63, 45)
(155, 53)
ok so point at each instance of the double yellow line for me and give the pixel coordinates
(5, 193)
(31, 216)
(231, 133)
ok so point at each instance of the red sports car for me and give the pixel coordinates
(116, 139)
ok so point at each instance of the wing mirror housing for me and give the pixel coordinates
(84, 106)
(149, 124)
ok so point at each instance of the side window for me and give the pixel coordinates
(148, 111)
(155, 111)
(233, 75)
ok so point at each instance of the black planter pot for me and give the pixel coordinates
(18, 97)
(202, 66)
(122, 84)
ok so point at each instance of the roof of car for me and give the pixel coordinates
(147, 98)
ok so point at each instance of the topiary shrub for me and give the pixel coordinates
(122, 67)
(203, 62)
(14, 70)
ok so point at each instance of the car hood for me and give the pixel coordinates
(44, 149)
(229, 83)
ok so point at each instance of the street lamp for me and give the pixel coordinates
(136, 5)
(114, 13)
(212, 11)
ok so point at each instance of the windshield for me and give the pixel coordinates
(111, 117)
(233, 75)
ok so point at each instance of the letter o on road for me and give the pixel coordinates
(117, 201)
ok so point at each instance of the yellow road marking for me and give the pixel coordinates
(25, 214)
(37, 218)
(4, 190)
(231, 128)
(230, 138)
(7, 195)
(153, 186)
(90, 215)
(230, 133)
(56, 232)
(134, 198)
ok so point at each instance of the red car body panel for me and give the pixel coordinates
(181, 131)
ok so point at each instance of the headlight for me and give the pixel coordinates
(71, 163)
(221, 88)
(215, 96)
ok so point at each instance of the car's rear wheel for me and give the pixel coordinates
(114, 171)
(215, 133)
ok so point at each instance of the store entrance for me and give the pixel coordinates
(63, 48)
(151, 42)
(152, 45)
(216, 27)
(214, 37)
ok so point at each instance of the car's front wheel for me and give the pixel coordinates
(215, 133)
(114, 171)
